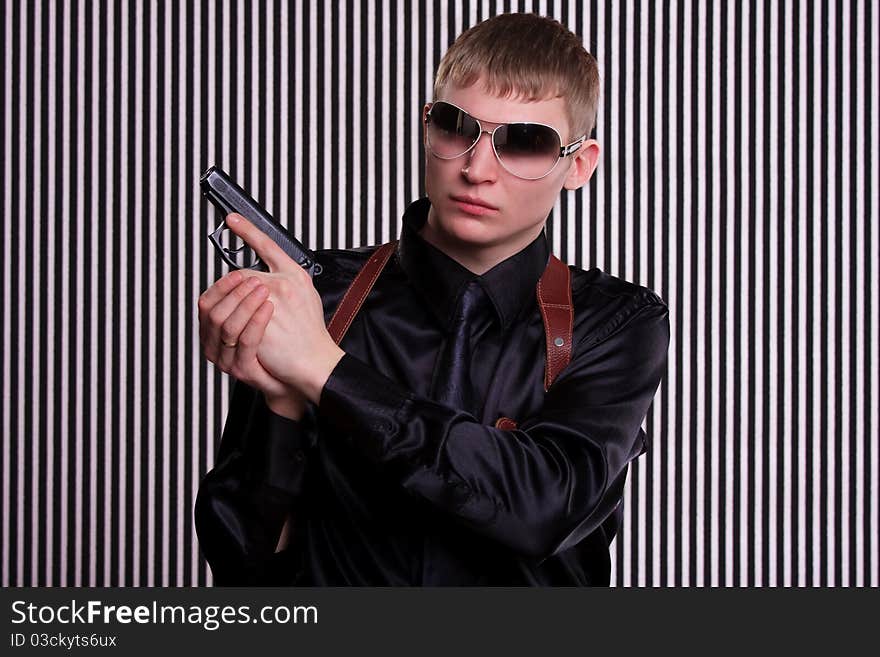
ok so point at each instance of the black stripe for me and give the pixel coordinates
(695, 214)
(823, 311)
(739, 294)
(679, 178)
(15, 521)
(854, 337)
(765, 324)
(797, 438)
(178, 179)
(711, 326)
(665, 282)
(88, 186)
(654, 432)
(869, 442)
(157, 262)
(783, 515)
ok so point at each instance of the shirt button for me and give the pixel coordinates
(299, 455)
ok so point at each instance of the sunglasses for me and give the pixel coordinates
(527, 150)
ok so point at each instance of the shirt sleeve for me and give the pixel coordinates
(245, 499)
(538, 489)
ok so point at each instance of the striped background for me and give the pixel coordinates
(739, 180)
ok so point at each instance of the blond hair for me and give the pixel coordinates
(526, 56)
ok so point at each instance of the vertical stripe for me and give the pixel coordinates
(738, 179)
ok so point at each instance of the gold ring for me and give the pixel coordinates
(229, 344)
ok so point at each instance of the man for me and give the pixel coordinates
(437, 443)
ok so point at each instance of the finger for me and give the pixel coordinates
(252, 334)
(213, 319)
(219, 289)
(210, 298)
(232, 328)
(264, 246)
(247, 362)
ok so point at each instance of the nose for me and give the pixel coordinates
(482, 164)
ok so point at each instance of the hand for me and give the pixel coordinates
(295, 347)
(233, 314)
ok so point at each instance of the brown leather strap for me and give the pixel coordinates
(358, 290)
(554, 299)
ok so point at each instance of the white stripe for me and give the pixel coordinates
(111, 432)
(858, 97)
(52, 106)
(139, 213)
(94, 253)
(298, 156)
(717, 402)
(8, 578)
(406, 109)
(603, 169)
(284, 109)
(659, 260)
(357, 132)
(817, 330)
(684, 215)
(185, 302)
(802, 278)
(267, 50)
(79, 384)
(200, 114)
(369, 167)
(789, 283)
(743, 270)
(172, 219)
(730, 329)
(772, 343)
(384, 220)
(314, 136)
(341, 161)
(645, 222)
(328, 128)
(845, 309)
(702, 210)
(830, 419)
(875, 302)
(66, 291)
(615, 91)
(757, 320)
(150, 394)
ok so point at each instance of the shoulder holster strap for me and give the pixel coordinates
(557, 311)
(358, 290)
(553, 294)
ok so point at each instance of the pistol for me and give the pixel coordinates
(229, 197)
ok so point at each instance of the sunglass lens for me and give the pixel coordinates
(527, 150)
(451, 131)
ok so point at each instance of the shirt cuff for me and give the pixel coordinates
(285, 451)
(358, 399)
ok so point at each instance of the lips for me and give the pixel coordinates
(473, 205)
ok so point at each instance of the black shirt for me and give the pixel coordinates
(389, 487)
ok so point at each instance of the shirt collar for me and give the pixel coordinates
(509, 285)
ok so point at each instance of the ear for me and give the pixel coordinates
(583, 165)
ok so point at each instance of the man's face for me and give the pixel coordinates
(481, 213)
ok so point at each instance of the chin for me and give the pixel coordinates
(467, 228)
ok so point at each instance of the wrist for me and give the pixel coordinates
(324, 367)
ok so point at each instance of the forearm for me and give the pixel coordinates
(244, 500)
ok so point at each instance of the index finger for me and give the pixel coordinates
(264, 246)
